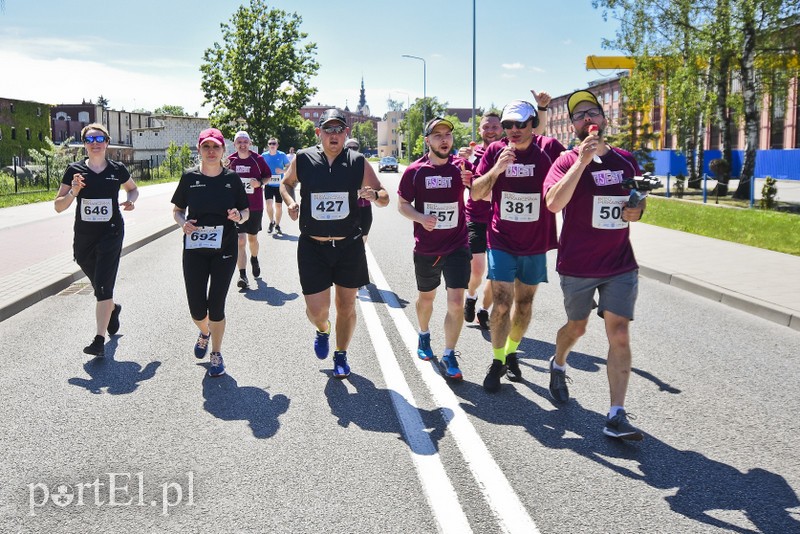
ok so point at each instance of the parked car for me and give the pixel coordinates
(387, 163)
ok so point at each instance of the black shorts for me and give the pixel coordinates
(366, 219)
(476, 233)
(98, 257)
(324, 263)
(252, 225)
(455, 267)
(273, 193)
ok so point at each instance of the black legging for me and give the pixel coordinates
(198, 267)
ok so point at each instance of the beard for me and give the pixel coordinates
(439, 154)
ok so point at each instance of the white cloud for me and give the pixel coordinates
(537, 69)
(513, 66)
(567, 42)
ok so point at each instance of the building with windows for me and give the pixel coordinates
(23, 126)
(69, 119)
(151, 141)
(390, 139)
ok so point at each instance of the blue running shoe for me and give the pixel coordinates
(201, 347)
(322, 345)
(340, 367)
(217, 367)
(424, 347)
(449, 366)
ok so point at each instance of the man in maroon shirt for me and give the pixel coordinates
(431, 193)
(594, 252)
(520, 233)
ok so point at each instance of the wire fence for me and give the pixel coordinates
(23, 177)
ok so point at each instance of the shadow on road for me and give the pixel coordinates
(371, 409)
(226, 400)
(115, 377)
(265, 293)
(703, 487)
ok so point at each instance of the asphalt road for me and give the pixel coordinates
(277, 445)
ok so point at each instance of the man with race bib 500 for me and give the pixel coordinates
(595, 252)
(330, 250)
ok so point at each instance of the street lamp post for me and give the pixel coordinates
(424, 87)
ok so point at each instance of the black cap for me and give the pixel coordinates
(332, 114)
(436, 121)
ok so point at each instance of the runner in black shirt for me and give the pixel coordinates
(215, 199)
(99, 228)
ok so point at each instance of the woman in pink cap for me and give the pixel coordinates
(209, 201)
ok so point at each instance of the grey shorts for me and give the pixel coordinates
(617, 295)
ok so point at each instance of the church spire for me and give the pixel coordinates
(363, 109)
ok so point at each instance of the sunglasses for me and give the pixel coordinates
(272, 143)
(333, 129)
(507, 125)
(95, 139)
(591, 113)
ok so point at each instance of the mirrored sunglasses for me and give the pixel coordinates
(333, 129)
(95, 139)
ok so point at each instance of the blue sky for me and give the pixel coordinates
(147, 53)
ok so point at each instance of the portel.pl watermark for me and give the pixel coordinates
(112, 489)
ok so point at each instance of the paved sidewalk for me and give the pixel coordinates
(39, 263)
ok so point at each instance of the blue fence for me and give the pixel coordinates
(779, 164)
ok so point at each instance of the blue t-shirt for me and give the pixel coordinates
(278, 161)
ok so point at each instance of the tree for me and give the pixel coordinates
(53, 159)
(260, 72)
(366, 135)
(411, 125)
(170, 109)
(394, 105)
(102, 101)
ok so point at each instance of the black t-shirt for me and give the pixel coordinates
(208, 199)
(329, 193)
(97, 210)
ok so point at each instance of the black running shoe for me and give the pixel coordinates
(113, 322)
(483, 319)
(619, 427)
(514, 372)
(256, 267)
(243, 283)
(558, 383)
(469, 309)
(271, 227)
(278, 230)
(492, 381)
(96, 348)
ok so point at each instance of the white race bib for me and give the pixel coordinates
(248, 186)
(607, 213)
(96, 209)
(446, 214)
(275, 179)
(330, 206)
(520, 207)
(204, 237)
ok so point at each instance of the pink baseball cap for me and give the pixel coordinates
(211, 134)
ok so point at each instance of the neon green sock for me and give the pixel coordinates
(500, 354)
(328, 331)
(511, 345)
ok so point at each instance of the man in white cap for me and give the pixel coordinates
(330, 251)
(254, 172)
(595, 255)
(520, 233)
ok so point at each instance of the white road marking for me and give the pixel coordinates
(497, 491)
(439, 492)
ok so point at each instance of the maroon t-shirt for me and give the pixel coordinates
(595, 241)
(479, 211)
(437, 189)
(253, 166)
(521, 223)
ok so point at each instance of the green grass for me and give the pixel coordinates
(770, 230)
(19, 199)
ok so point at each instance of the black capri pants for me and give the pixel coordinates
(98, 258)
(207, 275)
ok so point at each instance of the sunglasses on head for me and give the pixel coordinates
(507, 125)
(591, 113)
(333, 129)
(95, 139)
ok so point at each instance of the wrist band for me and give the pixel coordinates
(541, 108)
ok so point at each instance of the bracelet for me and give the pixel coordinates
(541, 108)
(70, 192)
(377, 195)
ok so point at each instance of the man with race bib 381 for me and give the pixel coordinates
(595, 253)
(330, 250)
(520, 233)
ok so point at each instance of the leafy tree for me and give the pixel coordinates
(53, 159)
(102, 101)
(179, 158)
(462, 134)
(261, 72)
(394, 105)
(366, 134)
(411, 126)
(170, 109)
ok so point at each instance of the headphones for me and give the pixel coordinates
(533, 114)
